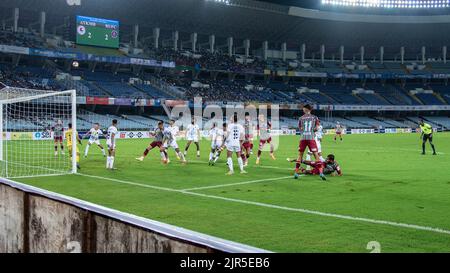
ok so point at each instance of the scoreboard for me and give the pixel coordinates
(97, 32)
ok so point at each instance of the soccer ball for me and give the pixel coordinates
(296, 176)
(75, 64)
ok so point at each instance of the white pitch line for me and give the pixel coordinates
(237, 183)
(306, 211)
(325, 214)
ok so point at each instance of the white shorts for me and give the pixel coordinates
(172, 144)
(192, 138)
(233, 148)
(110, 146)
(96, 141)
(319, 145)
(216, 145)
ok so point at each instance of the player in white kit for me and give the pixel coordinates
(233, 143)
(94, 137)
(217, 136)
(111, 143)
(170, 140)
(192, 135)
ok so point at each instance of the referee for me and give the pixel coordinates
(427, 134)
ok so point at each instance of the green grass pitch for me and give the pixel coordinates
(389, 193)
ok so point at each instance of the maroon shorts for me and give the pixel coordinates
(338, 133)
(264, 141)
(156, 144)
(315, 171)
(311, 144)
(316, 168)
(58, 138)
(247, 145)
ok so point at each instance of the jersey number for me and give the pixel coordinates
(307, 126)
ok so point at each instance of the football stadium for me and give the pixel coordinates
(224, 126)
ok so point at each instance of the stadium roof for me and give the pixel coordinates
(242, 19)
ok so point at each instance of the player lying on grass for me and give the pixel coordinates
(192, 135)
(427, 135)
(170, 141)
(308, 125)
(111, 144)
(329, 167)
(233, 143)
(264, 128)
(68, 135)
(94, 137)
(158, 135)
(217, 136)
(58, 132)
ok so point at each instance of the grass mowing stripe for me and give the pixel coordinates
(238, 183)
(306, 211)
(333, 215)
(128, 182)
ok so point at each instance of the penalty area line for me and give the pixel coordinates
(238, 183)
(300, 210)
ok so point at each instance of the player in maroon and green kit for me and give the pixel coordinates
(330, 166)
(308, 125)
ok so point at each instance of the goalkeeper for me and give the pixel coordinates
(68, 135)
(427, 135)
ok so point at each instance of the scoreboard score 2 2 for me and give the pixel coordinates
(97, 32)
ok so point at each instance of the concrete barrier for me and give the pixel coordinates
(33, 220)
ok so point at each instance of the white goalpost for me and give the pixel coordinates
(27, 144)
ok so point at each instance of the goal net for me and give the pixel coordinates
(31, 122)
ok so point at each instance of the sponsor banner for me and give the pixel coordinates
(81, 100)
(97, 100)
(133, 134)
(172, 103)
(156, 102)
(404, 130)
(139, 102)
(441, 76)
(362, 131)
(14, 49)
(390, 130)
(283, 132)
(147, 62)
(45, 135)
(6, 136)
(310, 74)
(122, 101)
(53, 54)
(21, 136)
